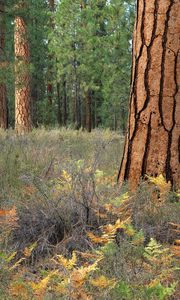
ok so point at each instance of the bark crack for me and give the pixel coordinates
(164, 43)
(169, 175)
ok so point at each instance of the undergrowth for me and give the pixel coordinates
(68, 232)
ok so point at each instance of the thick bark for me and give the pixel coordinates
(34, 81)
(23, 121)
(152, 143)
(3, 91)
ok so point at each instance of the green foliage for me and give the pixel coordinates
(123, 291)
(159, 292)
(97, 39)
(81, 48)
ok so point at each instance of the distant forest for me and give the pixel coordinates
(65, 63)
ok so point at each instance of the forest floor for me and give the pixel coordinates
(68, 232)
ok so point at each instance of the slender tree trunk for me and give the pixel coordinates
(64, 104)
(50, 70)
(79, 108)
(76, 107)
(153, 140)
(123, 120)
(83, 114)
(88, 112)
(115, 121)
(34, 97)
(3, 92)
(23, 121)
(59, 98)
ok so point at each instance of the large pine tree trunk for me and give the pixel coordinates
(153, 139)
(23, 121)
(3, 93)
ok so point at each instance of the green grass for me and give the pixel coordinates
(43, 154)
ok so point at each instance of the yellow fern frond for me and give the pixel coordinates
(66, 176)
(40, 288)
(78, 276)
(17, 264)
(62, 287)
(103, 282)
(28, 250)
(98, 239)
(67, 263)
(161, 183)
(112, 229)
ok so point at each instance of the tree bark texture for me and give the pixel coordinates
(23, 121)
(3, 91)
(152, 144)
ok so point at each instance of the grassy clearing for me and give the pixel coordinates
(44, 154)
(68, 232)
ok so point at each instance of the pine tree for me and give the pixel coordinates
(23, 121)
(3, 65)
(152, 141)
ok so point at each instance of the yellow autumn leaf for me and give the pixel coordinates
(67, 263)
(19, 290)
(40, 288)
(176, 250)
(66, 176)
(109, 207)
(160, 182)
(63, 286)
(111, 229)
(130, 231)
(9, 217)
(80, 294)
(98, 239)
(78, 276)
(10, 258)
(103, 282)
(17, 264)
(28, 250)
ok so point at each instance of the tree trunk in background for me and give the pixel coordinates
(115, 121)
(59, 98)
(79, 108)
(23, 121)
(76, 107)
(123, 119)
(3, 93)
(64, 104)
(153, 140)
(88, 112)
(50, 70)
